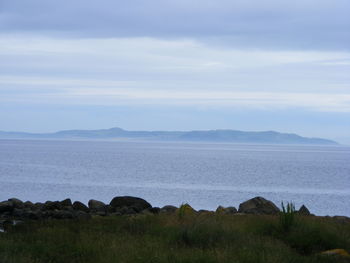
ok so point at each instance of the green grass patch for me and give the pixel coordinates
(184, 237)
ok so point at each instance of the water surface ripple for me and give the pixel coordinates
(203, 174)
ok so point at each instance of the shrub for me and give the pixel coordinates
(287, 216)
(185, 210)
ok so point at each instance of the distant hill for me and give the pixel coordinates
(267, 137)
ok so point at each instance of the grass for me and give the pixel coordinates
(287, 216)
(185, 237)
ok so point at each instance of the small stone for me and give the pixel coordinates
(303, 211)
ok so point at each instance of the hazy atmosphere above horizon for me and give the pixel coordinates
(176, 65)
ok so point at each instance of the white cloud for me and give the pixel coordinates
(184, 50)
(311, 24)
(114, 93)
(152, 71)
(267, 100)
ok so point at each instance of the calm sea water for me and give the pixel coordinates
(203, 174)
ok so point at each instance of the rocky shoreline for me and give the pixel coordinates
(14, 210)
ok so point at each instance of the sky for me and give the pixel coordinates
(176, 65)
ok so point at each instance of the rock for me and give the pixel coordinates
(33, 214)
(336, 252)
(227, 210)
(146, 212)
(16, 203)
(220, 209)
(38, 206)
(18, 213)
(96, 206)
(68, 208)
(258, 205)
(110, 209)
(240, 214)
(62, 214)
(231, 210)
(6, 224)
(154, 210)
(17, 222)
(303, 211)
(125, 210)
(66, 202)
(55, 205)
(116, 214)
(28, 204)
(185, 209)
(80, 207)
(5, 215)
(100, 213)
(81, 215)
(46, 214)
(138, 204)
(6, 206)
(342, 219)
(169, 209)
(26, 213)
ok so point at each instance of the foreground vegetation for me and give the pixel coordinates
(181, 237)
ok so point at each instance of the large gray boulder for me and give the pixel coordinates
(258, 205)
(16, 203)
(66, 203)
(226, 210)
(96, 206)
(79, 206)
(138, 204)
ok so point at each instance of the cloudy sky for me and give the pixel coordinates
(176, 65)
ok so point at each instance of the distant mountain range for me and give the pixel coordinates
(234, 136)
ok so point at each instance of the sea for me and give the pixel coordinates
(204, 175)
